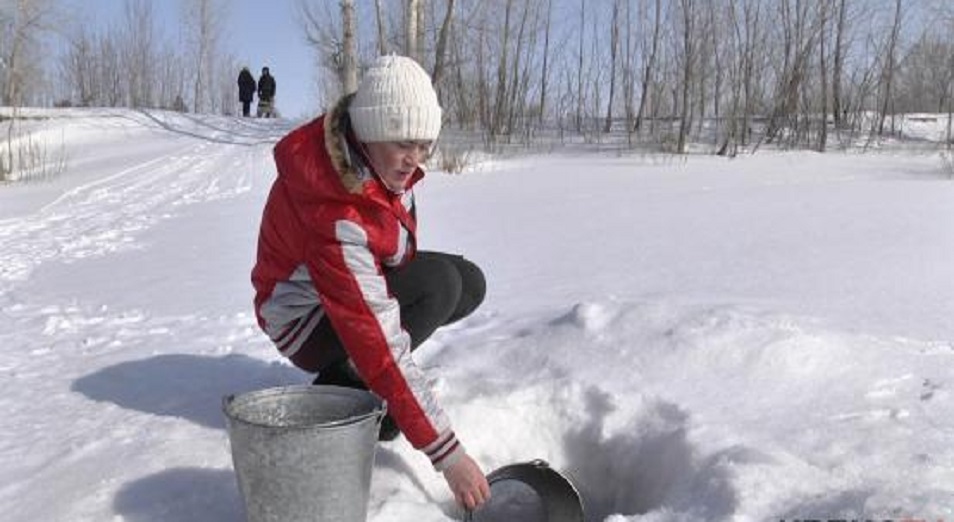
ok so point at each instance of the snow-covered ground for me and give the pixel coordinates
(688, 339)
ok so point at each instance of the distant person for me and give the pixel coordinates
(179, 104)
(340, 286)
(246, 85)
(266, 94)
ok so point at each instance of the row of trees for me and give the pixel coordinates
(733, 72)
(51, 56)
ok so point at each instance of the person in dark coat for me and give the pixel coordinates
(246, 85)
(266, 94)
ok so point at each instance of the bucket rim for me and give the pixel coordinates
(378, 410)
(560, 497)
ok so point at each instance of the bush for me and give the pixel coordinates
(25, 158)
(452, 159)
(947, 163)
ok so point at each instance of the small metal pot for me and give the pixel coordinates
(529, 492)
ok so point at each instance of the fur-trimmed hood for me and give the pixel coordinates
(337, 126)
(319, 161)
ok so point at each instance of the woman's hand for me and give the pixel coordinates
(467, 482)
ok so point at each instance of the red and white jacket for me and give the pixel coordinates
(328, 229)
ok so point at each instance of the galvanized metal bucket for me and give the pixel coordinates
(304, 452)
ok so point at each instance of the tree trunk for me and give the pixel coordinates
(614, 46)
(412, 21)
(823, 71)
(579, 71)
(546, 58)
(440, 52)
(752, 16)
(483, 86)
(500, 99)
(382, 35)
(629, 80)
(650, 64)
(349, 56)
(836, 104)
(888, 71)
(419, 38)
(688, 44)
(203, 33)
(515, 96)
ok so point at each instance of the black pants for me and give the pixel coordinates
(246, 107)
(433, 290)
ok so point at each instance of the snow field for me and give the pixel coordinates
(688, 340)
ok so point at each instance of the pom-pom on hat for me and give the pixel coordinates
(395, 101)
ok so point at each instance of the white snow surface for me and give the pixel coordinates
(688, 339)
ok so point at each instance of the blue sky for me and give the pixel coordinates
(261, 33)
(257, 32)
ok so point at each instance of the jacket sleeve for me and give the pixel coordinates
(367, 319)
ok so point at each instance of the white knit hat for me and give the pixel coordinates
(395, 101)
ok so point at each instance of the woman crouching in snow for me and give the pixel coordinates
(340, 287)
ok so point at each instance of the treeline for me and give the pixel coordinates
(51, 57)
(733, 73)
(730, 73)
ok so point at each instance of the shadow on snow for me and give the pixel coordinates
(185, 386)
(190, 387)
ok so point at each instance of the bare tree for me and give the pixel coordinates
(823, 75)
(716, 51)
(467, 88)
(78, 69)
(223, 85)
(839, 58)
(516, 90)
(614, 50)
(115, 88)
(688, 58)
(21, 60)
(174, 78)
(888, 69)
(138, 37)
(734, 57)
(203, 20)
(800, 29)
(579, 71)
(544, 70)
(324, 32)
(440, 51)
(379, 24)
(753, 38)
(649, 69)
(482, 72)
(500, 99)
(758, 67)
(707, 67)
(593, 90)
(925, 74)
(128, 64)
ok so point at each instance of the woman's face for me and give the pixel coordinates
(395, 161)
